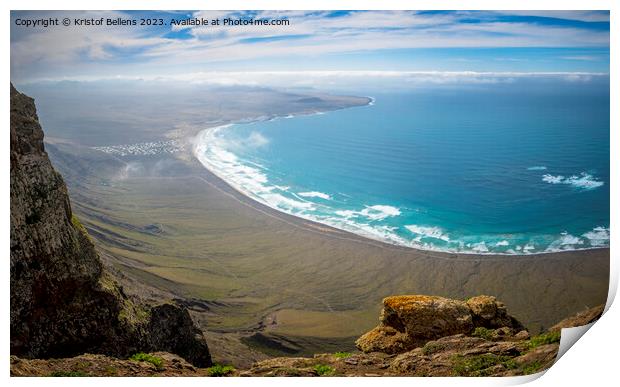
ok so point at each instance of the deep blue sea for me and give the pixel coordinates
(498, 168)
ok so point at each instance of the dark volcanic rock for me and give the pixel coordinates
(171, 329)
(57, 302)
(63, 303)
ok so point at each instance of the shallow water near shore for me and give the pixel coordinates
(497, 169)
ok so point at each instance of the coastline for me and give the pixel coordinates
(541, 288)
(319, 223)
(313, 226)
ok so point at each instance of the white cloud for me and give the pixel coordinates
(587, 16)
(96, 50)
(61, 45)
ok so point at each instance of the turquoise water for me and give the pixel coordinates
(499, 168)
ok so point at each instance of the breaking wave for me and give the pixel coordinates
(376, 212)
(315, 194)
(583, 180)
(427, 232)
(599, 236)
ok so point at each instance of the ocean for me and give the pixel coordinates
(498, 168)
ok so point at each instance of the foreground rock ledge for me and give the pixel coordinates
(408, 322)
(503, 351)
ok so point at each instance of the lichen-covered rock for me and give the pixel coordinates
(489, 313)
(411, 321)
(408, 322)
(384, 339)
(63, 303)
(426, 316)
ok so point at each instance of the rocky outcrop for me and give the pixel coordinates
(408, 322)
(485, 352)
(584, 318)
(171, 329)
(63, 303)
(487, 312)
(456, 355)
(495, 343)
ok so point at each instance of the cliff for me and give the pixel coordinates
(63, 302)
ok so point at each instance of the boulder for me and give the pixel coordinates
(384, 339)
(171, 329)
(408, 322)
(411, 321)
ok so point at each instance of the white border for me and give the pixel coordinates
(593, 361)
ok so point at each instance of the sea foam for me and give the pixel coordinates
(599, 236)
(565, 242)
(374, 212)
(480, 247)
(428, 232)
(315, 194)
(583, 180)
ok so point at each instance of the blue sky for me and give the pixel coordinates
(338, 41)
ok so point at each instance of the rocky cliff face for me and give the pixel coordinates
(63, 303)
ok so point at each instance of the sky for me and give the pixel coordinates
(435, 44)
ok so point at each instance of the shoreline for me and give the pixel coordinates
(541, 288)
(336, 233)
(319, 223)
